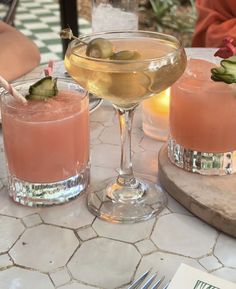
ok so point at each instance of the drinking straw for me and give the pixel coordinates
(8, 87)
(49, 69)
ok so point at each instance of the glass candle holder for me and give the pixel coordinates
(202, 122)
(46, 144)
(155, 116)
(108, 15)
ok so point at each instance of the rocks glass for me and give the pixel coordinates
(46, 144)
(202, 122)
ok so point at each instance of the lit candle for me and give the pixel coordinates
(155, 113)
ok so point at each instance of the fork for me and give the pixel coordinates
(148, 282)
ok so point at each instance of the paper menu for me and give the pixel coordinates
(187, 277)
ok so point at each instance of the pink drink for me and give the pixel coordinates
(47, 143)
(202, 112)
(202, 122)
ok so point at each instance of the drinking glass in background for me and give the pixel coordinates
(46, 144)
(108, 15)
(155, 115)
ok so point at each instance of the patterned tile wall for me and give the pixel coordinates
(40, 21)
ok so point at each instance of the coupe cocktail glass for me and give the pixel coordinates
(46, 144)
(126, 83)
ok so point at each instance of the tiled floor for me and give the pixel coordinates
(40, 21)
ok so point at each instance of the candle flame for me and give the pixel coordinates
(161, 102)
(163, 98)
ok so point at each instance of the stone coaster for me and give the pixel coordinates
(211, 198)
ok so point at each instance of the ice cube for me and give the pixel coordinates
(107, 18)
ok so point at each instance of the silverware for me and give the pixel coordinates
(138, 283)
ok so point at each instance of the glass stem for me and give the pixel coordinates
(126, 176)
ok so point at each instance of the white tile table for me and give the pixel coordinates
(68, 248)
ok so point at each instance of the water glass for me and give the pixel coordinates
(109, 15)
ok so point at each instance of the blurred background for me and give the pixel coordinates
(40, 21)
(176, 17)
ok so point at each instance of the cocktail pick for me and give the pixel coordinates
(67, 33)
(8, 87)
(49, 69)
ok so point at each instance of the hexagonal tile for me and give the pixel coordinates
(5, 261)
(111, 135)
(76, 285)
(191, 236)
(146, 247)
(86, 233)
(146, 162)
(225, 250)
(226, 273)
(165, 264)
(44, 248)
(100, 262)
(165, 211)
(150, 144)
(10, 208)
(137, 137)
(3, 169)
(176, 207)
(124, 232)
(99, 174)
(32, 220)
(106, 115)
(72, 215)
(60, 277)
(210, 263)
(23, 279)
(99, 159)
(10, 230)
(95, 129)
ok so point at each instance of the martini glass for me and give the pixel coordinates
(127, 199)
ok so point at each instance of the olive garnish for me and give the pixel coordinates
(125, 55)
(96, 48)
(99, 48)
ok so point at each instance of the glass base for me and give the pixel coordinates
(47, 194)
(122, 210)
(204, 163)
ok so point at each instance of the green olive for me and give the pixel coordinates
(99, 48)
(126, 55)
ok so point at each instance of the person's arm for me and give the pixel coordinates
(18, 54)
(216, 20)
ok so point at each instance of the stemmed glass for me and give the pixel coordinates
(126, 83)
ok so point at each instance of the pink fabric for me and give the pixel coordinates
(216, 20)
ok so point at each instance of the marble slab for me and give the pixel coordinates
(211, 198)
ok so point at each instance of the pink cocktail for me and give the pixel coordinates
(202, 121)
(47, 145)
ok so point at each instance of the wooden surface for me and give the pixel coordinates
(211, 198)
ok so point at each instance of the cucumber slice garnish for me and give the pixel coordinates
(226, 72)
(43, 89)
